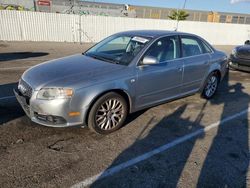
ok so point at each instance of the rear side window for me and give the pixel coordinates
(206, 48)
(191, 47)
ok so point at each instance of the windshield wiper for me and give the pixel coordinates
(102, 58)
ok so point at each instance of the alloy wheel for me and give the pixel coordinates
(211, 86)
(109, 114)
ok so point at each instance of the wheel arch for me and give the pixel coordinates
(215, 68)
(121, 92)
(217, 71)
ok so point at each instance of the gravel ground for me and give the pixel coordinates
(32, 155)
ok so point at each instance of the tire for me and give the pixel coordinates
(211, 86)
(108, 113)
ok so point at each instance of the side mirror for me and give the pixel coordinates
(247, 42)
(149, 60)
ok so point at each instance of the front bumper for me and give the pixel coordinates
(239, 67)
(51, 113)
(22, 101)
(239, 64)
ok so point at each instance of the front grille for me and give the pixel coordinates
(25, 89)
(243, 54)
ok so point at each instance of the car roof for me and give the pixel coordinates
(152, 33)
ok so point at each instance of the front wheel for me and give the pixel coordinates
(108, 113)
(211, 86)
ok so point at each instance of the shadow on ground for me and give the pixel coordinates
(7, 89)
(226, 163)
(20, 55)
(9, 107)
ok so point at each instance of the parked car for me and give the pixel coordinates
(124, 73)
(240, 57)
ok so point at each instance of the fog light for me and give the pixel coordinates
(50, 118)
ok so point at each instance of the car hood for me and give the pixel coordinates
(243, 52)
(244, 48)
(73, 71)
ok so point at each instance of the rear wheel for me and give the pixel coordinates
(108, 113)
(211, 86)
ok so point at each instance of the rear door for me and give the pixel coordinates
(196, 63)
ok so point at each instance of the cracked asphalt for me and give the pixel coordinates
(32, 155)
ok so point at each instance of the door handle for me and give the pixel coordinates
(180, 69)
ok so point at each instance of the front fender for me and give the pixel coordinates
(84, 98)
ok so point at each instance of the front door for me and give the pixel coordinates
(159, 82)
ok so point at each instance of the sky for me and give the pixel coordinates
(235, 6)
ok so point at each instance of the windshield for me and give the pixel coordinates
(118, 49)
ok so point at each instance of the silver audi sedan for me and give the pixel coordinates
(124, 73)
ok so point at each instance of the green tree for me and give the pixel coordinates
(178, 15)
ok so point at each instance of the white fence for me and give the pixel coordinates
(36, 26)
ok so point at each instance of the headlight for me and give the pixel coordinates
(234, 51)
(54, 93)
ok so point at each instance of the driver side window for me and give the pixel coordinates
(165, 49)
